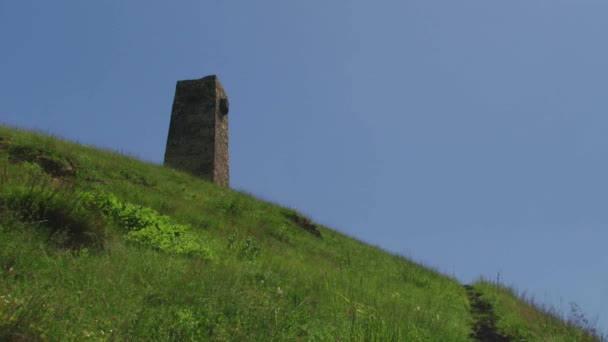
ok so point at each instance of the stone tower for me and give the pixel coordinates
(198, 132)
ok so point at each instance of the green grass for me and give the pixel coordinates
(525, 320)
(95, 245)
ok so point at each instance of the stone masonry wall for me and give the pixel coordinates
(221, 169)
(198, 131)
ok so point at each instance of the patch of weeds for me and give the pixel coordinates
(128, 216)
(246, 249)
(145, 226)
(172, 239)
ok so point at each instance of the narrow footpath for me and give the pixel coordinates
(484, 329)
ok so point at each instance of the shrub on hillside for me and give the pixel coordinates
(145, 226)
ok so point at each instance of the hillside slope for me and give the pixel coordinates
(96, 245)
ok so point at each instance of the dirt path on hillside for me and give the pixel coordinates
(484, 329)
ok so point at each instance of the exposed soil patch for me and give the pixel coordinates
(55, 166)
(3, 143)
(484, 328)
(304, 223)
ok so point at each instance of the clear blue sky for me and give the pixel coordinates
(468, 135)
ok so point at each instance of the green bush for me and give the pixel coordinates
(145, 226)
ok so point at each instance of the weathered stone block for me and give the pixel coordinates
(198, 132)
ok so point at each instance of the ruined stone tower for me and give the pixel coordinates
(198, 132)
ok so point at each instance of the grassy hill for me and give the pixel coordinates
(99, 246)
